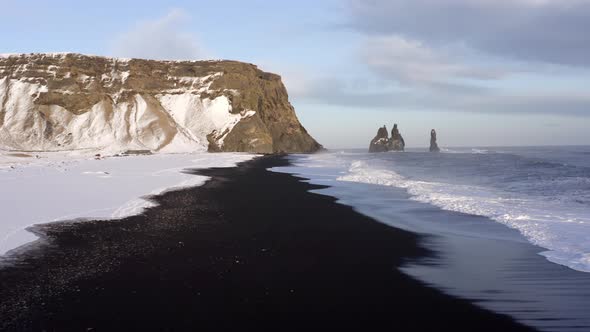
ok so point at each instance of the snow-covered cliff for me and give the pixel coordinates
(65, 101)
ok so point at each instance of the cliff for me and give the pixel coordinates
(52, 102)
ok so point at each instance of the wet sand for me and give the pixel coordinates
(250, 249)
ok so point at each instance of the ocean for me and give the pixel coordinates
(510, 226)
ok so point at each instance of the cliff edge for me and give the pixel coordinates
(65, 101)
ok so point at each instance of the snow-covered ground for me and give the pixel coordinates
(52, 187)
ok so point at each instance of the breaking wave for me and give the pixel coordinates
(548, 201)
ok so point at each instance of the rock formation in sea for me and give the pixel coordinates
(396, 143)
(433, 145)
(67, 101)
(380, 143)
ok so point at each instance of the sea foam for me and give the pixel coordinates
(551, 211)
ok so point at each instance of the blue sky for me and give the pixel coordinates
(482, 72)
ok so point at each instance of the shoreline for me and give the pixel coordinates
(249, 248)
(476, 258)
(56, 188)
(550, 212)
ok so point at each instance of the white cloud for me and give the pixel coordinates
(159, 39)
(471, 55)
(549, 31)
(411, 61)
(299, 80)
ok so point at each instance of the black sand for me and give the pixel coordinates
(250, 249)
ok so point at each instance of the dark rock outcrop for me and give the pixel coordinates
(433, 145)
(396, 143)
(382, 142)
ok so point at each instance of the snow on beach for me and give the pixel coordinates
(59, 186)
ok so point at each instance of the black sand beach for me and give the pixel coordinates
(250, 249)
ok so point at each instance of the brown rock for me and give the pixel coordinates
(77, 83)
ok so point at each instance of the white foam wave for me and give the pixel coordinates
(563, 230)
(481, 151)
(468, 150)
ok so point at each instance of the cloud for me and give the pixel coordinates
(359, 93)
(467, 55)
(566, 103)
(410, 61)
(159, 39)
(551, 31)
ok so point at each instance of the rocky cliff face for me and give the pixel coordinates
(72, 101)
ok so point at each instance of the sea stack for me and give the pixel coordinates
(433, 146)
(380, 142)
(396, 143)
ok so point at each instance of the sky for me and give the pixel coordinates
(481, 72)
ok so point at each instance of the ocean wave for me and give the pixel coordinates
(482, 151)
(467, 150)
(552, 222)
